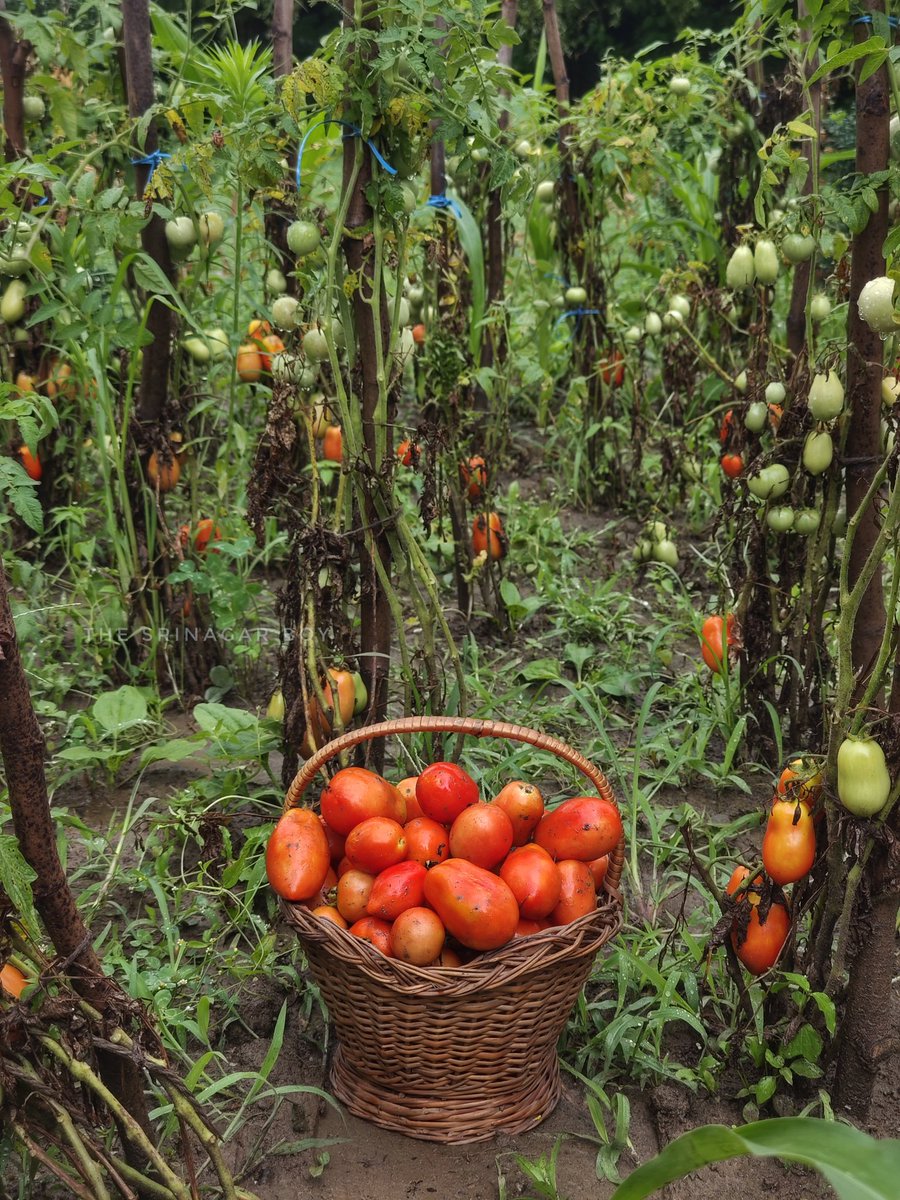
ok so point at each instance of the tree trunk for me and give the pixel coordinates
(796, 321)
(278, 213)
(139, 83)
(867, 1031)
(359, 250)
(22, 750)
(13, 58)
(573, 250)
(283, 37)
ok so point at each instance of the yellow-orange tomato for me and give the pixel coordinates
(25, 382)
(789, 843)
(376, 931)
(524, 805)
(32, 464)
(800, 780)
(764, 941)
(577, 894)
(407, 451)
(738, 875)
(716, 633)
(333, 444)
(258, 329)
(12, 980)
(327, 912)
(488, 536)
(353, 891)
(297, 858)
(417, 936)
(163, 476)
(271, 345)
(249, 362)
(59, 381)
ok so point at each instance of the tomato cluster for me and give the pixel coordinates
(788, 853)
(412, 867)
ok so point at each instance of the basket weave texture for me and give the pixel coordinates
(453, 1055)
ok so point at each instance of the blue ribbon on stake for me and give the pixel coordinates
(444, 202)
(151, 160)
(355, 131)
(577, 312)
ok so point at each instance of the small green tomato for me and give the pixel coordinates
(781, 518)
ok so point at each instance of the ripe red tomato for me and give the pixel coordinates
(789, 843)
(344, 866)
(417, 937)
(354, 794)
(476, 907)
(427, 842)
(612, 368)
(418, 333)
(488, 536)
(715, 632)
(473, 476)
(527, 928)
(534, 879)
(407, 451)
(483, 834)
(373, 930)
(31, 463)
(599, 867)
(583, 828)
(353, 891)
(407, 789)
(297, 858)
(524, 805)
(732, 465)
(577, 895)
(764, 941)
(376, 843)
(396, 889)
(443, 790)
(207, 530)
(335, 841)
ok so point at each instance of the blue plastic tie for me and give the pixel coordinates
(866, 19)
(151, 160)
(444, 202)
(559, 278)
(355, 131)
(577, 312)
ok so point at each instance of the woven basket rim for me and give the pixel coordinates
(489, 970)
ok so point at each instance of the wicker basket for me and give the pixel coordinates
(453, 1055)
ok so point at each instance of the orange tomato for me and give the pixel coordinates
(583, 829)
(612, 368)
(343, 867)
(418, 332)
(32, 464)
(297, 858)
(427, 842)
(376, 843)
(327, 912)
(715, 632)
(488, 536)
(482, 834)
(476, 907)
(443, 790)
(789, 843)
(332, 444)
(447, 957)
(527, 928)
(726, 426)
(800, 780)
(373, 930)
(258, 329)
(577, 894)
(407, 451)
(396, 889)
(417, 937)
(353, 891)
(524, 805)
(25, 382)
(732, 465)
(775, 414)
(249, 362)
(534, 879)
(271, 345)
(355, 794)
(163, 476)
(473, 475)
(738, 875)
(764, 939)
(12, 980)
(599, 867)
(407, 789)
(335, 841)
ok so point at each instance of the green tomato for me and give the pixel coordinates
(33, 108)
(826, 396)
(212, 228)
(863, 779)
(665, 552)
(303, 237)
(12, 304)
(680, 304)
(775, 393)
(756, 416)
(770, 483)
(672, 319)
(818, 452)
(15, 263)
(545, 191)
(657, 532)
(819, 307)
(740, 382)
(197, 348)
(360, 694)
(284, 311)
(275, 707)
(632, 334)
(765, 261)
(807, 520)
(798, 248)
(680, 85)
(576, 295)
(780, 518)
(217, 340)
(522, 148)
(276, 284)
(410, 201)
(741, 269)
(181, 234)
(315, 345)
(890, 391)
(652, 324)
(643, 551)
(287, 368)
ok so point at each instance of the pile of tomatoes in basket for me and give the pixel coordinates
(408, 867)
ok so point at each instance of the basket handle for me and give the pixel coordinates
(472, 727)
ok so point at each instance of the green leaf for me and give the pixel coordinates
(861, 50)
(469, 232)
(219, 718)
(120, 709)
(173, 751)
(857, 1166)
(16, 878)
(806, 1043)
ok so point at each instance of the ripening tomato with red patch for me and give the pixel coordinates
(417, 937)
(375, 931)
(353, 891)
(354, 794)
(583, 828)
(789, 843)
(476, 907)
(407, 789)
(376, 843)
(577, 894)
(482, 834)
(271, 345)
(715, 633)
(473, 477)
(427, 842)
(764, 940)
(732, 465)
(488, 536)
(524, 805)
(800, 780)
(297, 857)
(534, 879)
(443, 790)
(396, 889)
